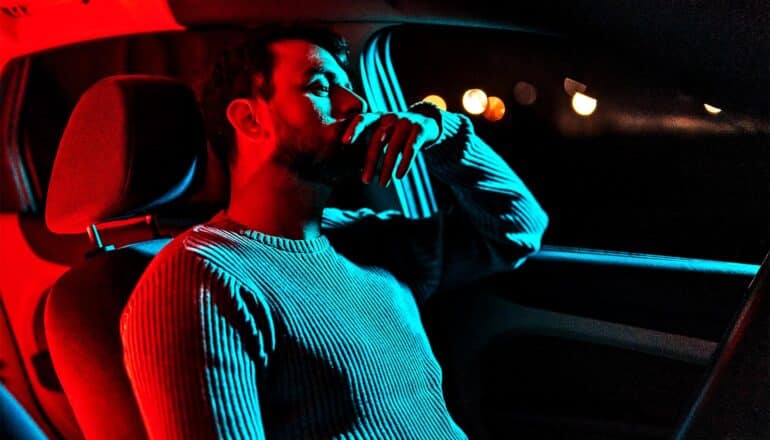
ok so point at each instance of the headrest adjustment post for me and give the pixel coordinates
(95, 238)
(152, 221)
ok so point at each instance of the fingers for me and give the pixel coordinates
(403, 136)
(376, 145)
(396, 145)
(355, 128)
(407, 155)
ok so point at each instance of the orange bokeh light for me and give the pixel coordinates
(495, 109)
(436, 100)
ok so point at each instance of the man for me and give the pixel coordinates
(282, 319)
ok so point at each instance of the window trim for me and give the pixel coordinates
(383, 93)
(15, 82)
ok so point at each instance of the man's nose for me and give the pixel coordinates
(347, 103)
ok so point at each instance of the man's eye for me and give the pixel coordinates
(318, 88)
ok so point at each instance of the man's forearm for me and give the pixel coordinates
(486, 188)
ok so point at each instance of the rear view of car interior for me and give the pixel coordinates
(645, 292)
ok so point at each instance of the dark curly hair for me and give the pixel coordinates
(232, 74)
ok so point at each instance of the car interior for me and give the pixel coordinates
(643, 316)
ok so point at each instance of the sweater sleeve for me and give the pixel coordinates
(193, 348)
(493, 226)
(494, 208)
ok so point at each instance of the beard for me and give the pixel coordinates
(322, 159)
(343, 165)
(333, 165)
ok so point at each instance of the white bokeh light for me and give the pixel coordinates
(475, 101)
(711, 109)
(583, 105)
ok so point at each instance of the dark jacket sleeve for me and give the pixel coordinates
(493, 226)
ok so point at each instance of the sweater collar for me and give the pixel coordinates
(312, 246)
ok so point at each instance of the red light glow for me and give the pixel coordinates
(42, 25)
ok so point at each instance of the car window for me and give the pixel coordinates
(653, 169)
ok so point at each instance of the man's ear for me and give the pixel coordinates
(242, 114)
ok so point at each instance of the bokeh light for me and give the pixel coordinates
(583, 105)
(711, 109)
(437, 100)
(495, 109)
(475, 101)
(571, 86)
(524, 93)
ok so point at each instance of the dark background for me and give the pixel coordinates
(650, 171)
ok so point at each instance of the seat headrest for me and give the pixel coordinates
(133, 145)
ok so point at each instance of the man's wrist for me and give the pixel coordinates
(432, 111)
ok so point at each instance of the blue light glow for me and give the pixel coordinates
(660, 262)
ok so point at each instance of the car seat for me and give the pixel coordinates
(134, 148)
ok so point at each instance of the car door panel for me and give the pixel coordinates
(573, 346)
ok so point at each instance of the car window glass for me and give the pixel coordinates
(651, 170)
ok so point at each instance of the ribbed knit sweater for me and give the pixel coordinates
(232, 333)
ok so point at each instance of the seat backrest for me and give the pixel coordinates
(134, 146)
(82, 313)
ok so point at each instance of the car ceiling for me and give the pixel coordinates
(720, 46)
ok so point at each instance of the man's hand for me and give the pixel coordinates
(403, 134)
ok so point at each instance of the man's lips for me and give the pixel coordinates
(342, 126)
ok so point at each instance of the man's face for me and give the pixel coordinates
(310, 108)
